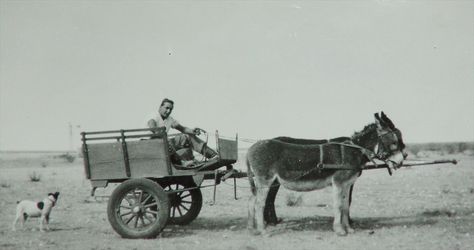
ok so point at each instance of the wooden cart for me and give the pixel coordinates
(153, 191)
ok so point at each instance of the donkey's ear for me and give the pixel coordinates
(378, 122)
(377, 117)
(387, 121)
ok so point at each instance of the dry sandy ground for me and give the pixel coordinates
(424, 207)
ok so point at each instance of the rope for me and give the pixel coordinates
(249, 140)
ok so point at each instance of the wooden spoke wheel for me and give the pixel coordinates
(138, 208)
(185, 201)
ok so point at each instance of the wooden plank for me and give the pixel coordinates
(227, 149)
(106, 161)
(148, 158)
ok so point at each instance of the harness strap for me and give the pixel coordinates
(321, 155)
(369, 154)
(342, 154)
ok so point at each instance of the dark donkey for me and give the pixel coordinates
(269, 214)
(306, 166)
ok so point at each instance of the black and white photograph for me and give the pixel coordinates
(237, 124)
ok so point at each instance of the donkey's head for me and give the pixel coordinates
(390, 144)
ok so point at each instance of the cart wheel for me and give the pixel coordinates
(138, 208)
(184, 205)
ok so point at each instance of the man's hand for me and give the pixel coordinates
(198, 131)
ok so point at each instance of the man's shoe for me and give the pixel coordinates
(208, 152)
(214, 158)
(188, 164)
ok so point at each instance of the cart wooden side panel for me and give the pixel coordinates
(106, 161)
(227, 149)
(146, 158)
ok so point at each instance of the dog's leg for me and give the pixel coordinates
(23, 218)
(42, 220)
(15, 221)
(47, 221)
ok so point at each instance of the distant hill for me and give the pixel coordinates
(442, 148)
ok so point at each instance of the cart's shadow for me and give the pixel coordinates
(314, 223)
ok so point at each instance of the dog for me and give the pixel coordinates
(42, 209)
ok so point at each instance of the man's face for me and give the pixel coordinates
(165, 109)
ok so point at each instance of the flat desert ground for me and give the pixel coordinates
(422, 207)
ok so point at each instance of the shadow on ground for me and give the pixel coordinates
(314, 223)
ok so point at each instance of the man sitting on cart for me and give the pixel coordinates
(181, 145)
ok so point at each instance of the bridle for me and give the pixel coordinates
(386, 147)
(382, 150)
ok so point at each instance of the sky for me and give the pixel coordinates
(259, 69)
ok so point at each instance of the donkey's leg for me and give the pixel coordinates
(269, 214)
(350, 199)
(262, 192)
(346, 193)
(251, 213)
(338, 206)
(350, 203)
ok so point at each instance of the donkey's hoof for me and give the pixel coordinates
(274, 222)
(266, 234)
(254, 232)
(340, 230)
(350, 230)
(341, 233)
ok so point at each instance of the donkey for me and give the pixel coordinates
(309, 166)
(269, 214)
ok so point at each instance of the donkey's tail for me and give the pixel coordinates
(250, 175)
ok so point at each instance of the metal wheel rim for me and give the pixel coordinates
(180, 202)
(138, 209)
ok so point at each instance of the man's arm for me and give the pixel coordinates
(189, 131)
(152, 123)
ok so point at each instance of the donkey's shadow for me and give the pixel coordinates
(312, 223)
(324, 223)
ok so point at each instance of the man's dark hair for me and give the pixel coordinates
(167, 100)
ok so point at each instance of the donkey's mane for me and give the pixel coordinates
(367, 131)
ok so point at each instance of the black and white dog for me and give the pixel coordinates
(27, 208)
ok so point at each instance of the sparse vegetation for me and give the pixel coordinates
(5, 185)
(44, 164)
(68, 157)
(35, 177)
